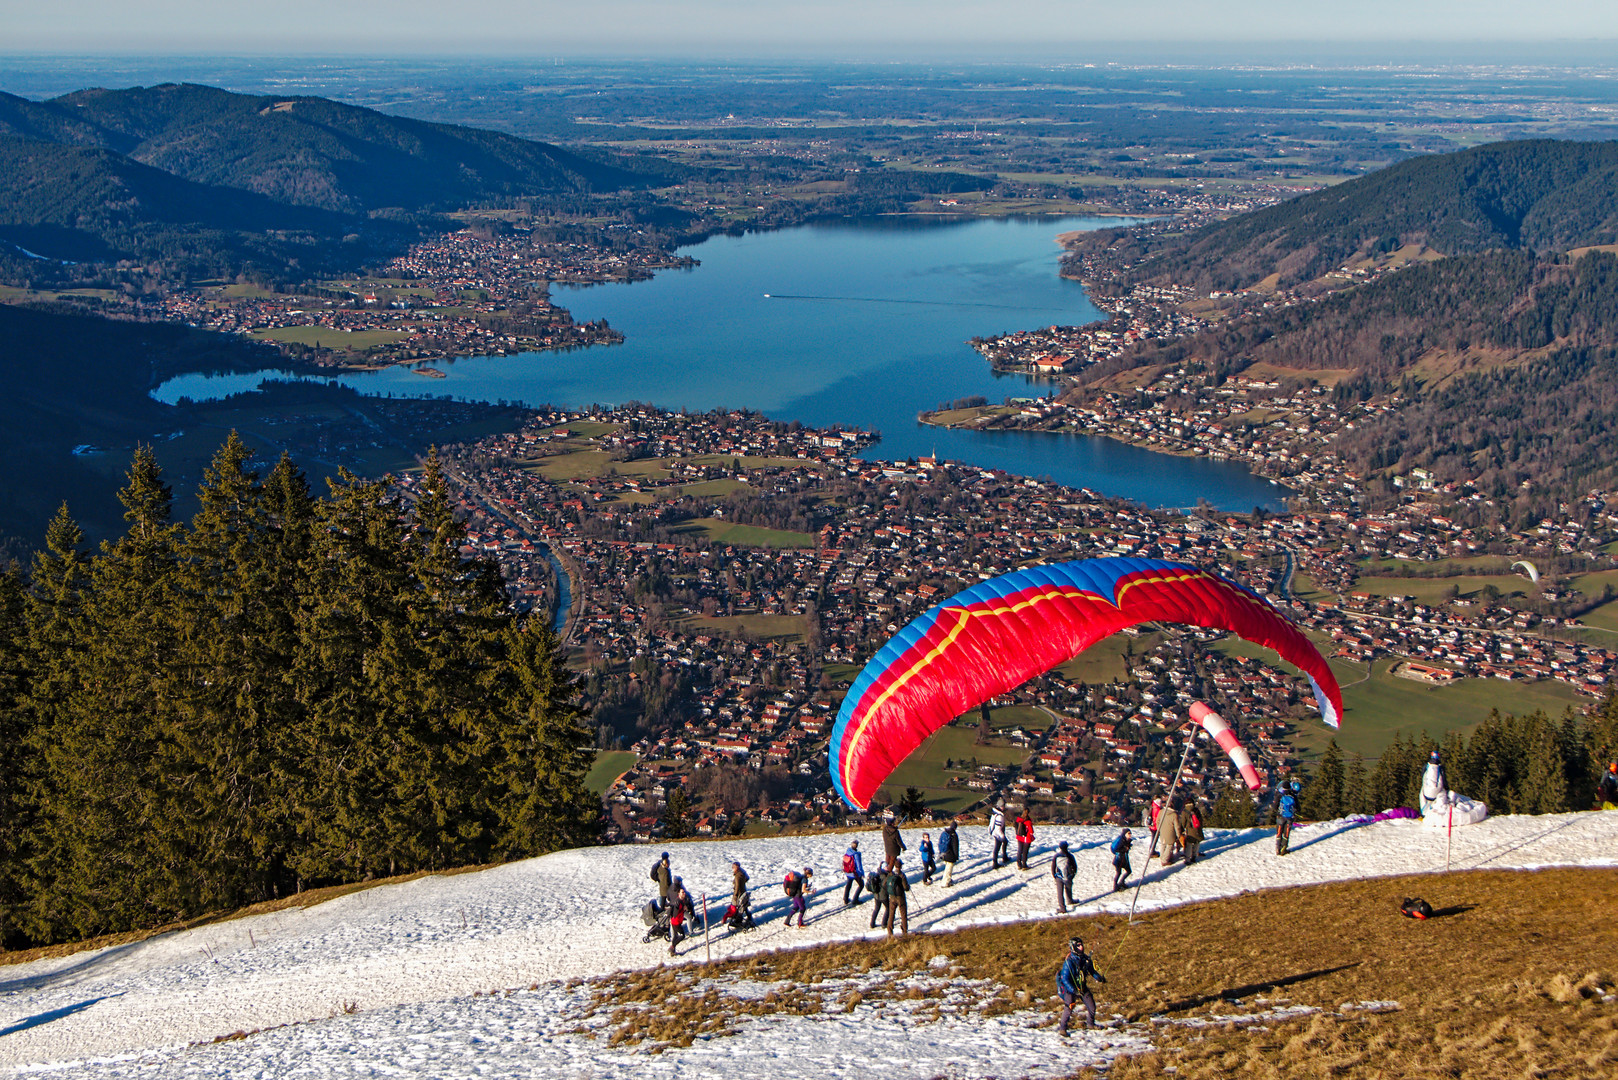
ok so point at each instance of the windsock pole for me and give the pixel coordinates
(1146, 866)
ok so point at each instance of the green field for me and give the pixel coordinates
(609, 766)
(725, 532)
(925, 769)
(761, 627)
(1474, 564)
(1107, 660)
(842, 674)
(327, 338)
(1433, 590)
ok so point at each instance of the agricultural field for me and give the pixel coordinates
(609, 766)
(926, 768)
(725, 532)
(1108, 660)
(759, 627)
(328, 338)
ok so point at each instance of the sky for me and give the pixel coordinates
(744, 28)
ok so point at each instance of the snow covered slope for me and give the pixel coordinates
(388, 973)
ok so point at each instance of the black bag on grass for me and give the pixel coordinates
(1414, 907)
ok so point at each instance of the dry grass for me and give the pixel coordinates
(1516, 977)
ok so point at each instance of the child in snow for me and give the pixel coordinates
(927, 863)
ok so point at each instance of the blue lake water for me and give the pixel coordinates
(862, 324)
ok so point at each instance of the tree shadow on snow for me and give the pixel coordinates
(53, 1014)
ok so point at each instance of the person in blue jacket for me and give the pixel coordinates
(949, 851)
(1073, 984)
(928, 865)
(853, 872)
(1284, 813)
(1120, 860)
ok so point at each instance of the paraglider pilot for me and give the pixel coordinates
(1284, 815)
(1073, 984)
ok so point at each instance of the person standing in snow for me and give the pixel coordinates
(896, 887)
(1191, 830)
(892, 842)
(663, 877)
(1025, 838)
(793, 885)
(1120, 860)
(925, 850)
(853, 872)
(998, 852)
(738, 883)
(877, 883)
(949, 851)
(1168, 834)
(1073, 984)
(1284, 813)
(1064, 867)
(681, 914)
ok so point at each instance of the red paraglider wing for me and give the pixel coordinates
(1000, 633)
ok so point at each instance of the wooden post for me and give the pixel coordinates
(707, 946)
(1449, 836)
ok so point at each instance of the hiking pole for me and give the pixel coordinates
(1190, 741)
(707, 945)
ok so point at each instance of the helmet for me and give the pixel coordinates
(1433, 757)
(1076, 944)
(1297, 785)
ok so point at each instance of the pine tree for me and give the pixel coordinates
(913, 804)
(1322, 798)
(16, 753)
(1356, 788)
(1234, 809)
(675, 826)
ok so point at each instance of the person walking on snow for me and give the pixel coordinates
(738, 884)
(794, 885)
(892, 842)
(1190, 831)
(1120, 860)
(1284, 813)
(1025, 838)
(925, 849)
(897, 886)
(1064, 867)
(949, 850)
(853, 872)
(877, 884)
(1073, 984)
(998, 851)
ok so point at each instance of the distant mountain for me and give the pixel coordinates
(308, 151)
(1540, 196)
(83, 204)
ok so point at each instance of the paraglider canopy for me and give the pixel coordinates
(999, 633)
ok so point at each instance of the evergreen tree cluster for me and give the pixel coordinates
(1515, 764)
(290, 691)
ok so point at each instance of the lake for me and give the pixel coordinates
(860, 323)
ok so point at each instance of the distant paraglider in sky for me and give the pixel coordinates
(1533, 572)
(998, 634)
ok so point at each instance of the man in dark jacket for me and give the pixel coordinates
(1284, 813)
(1025, 838)
(896, 887)
(738, 883)
(1064, 867)
(949, 851)
(664, 877)
(1120, 860)
(1073, 984)
(892, 842)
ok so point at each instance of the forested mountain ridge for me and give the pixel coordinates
(1535, 195)
(309, 151)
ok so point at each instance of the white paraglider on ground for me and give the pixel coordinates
(1441, 808)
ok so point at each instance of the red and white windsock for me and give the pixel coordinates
(1215, 725)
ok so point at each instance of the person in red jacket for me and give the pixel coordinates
(1025, 838)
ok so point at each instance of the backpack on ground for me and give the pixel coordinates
(848, 864)
(1414, 907)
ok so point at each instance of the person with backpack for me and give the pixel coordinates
(925, 850)
(1025, 838)
(896, 887)
(998, 852)
(1073, 984)
(1064, 867)
(1120, 860)
(853, 872)
(892, 842)
(682, 914)
(1607, 790)
(1284, 813)
(949, 851)
(877, 884)
(738, 883)
(1190, 830)
(793, 886)
(664, 879)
